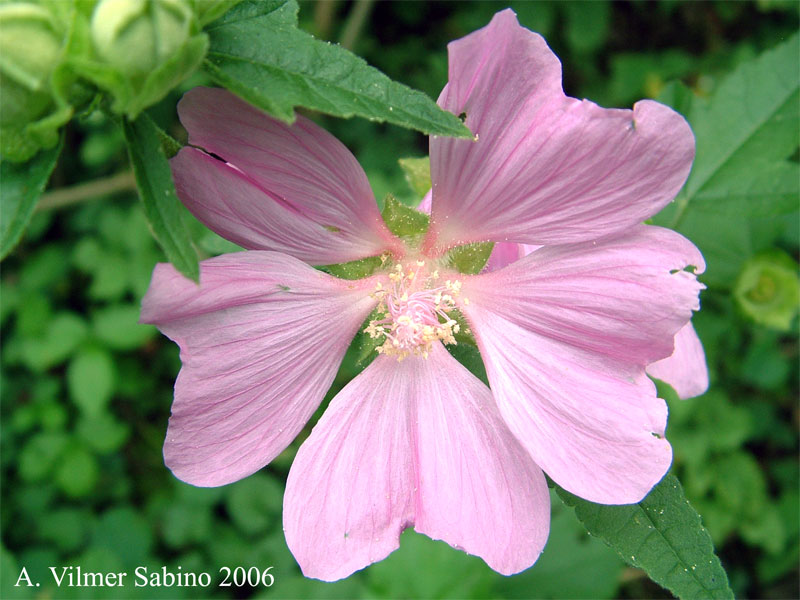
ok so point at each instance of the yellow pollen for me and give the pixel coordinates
(413, 312)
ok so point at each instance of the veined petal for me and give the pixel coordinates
(292, 188)
(566, 333)
(417, 442)
(624, 296)
(545, 168)
(686, 370)
(261, 340)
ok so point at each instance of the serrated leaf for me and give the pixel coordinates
(662, 535)
(157, 191)
(418, 174)
(21, 185)
(258, 53)
(745, 133)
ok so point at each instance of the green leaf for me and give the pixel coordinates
(257, 52)
(254, 503)
(208, 11)
(157, 191)
(745, 133)
(662, 535)
(20, 188)
(418, 174)
(119, 328)
(78, 472)
(90, 380)
(60, 339)
(569, 550)
(402, 220)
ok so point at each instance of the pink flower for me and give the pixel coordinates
(417, 440)
(685, 370)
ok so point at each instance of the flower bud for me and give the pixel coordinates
(29, 50)
(768, 289)
(136, 36)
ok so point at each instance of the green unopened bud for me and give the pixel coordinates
(136, 36)
(768, 289)
(29, 49)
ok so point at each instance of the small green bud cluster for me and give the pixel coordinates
(143, 48)
(57, 55)
(31, 40)
(768, 289)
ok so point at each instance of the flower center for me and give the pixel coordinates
(413, 311)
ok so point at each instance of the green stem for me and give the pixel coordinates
(355, 23)
(63, 197)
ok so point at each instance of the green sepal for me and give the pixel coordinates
(355, 269)
(464, 335)
(768, 290)
(470, 258)
(470, 357)
(418, 174)
(404, 221)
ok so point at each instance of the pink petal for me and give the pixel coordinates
(261, 340)
(546, 168)
(686, 369)
(618, 296)
(417, 442)
(565, 334)
(291, 188)
(505, 253)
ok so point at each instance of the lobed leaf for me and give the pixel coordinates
(663, 535)
(157, 191)
(21, 185)
(257, 52)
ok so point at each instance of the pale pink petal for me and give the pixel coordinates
(505, 253)
(425, 203)
(291, 188)
(261, 340)
(417, 442)
(545, 168)
(686, 369)
(624, 296)
(565, 334)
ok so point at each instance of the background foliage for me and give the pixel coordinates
(86, 391)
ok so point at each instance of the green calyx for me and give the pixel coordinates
(768, 289)
(31, 41)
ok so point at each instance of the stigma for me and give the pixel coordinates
(413, 312)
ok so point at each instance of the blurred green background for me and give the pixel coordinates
(86, 391)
